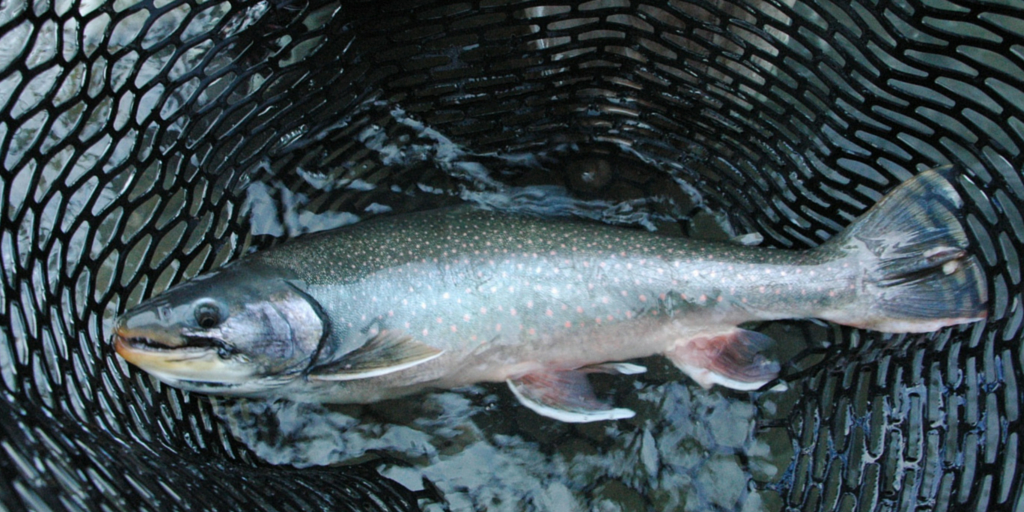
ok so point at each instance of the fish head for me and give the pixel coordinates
(236, 331)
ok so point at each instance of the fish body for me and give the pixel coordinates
(448, 298)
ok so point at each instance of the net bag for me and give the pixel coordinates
(142, 143)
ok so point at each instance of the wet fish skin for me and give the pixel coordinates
(443, 299)
(266, 331)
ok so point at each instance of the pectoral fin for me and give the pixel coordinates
(388, 352)
(564, 395)
(734, 358)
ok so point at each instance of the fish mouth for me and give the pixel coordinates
(126, 342)
(189, 362)
(149, 351)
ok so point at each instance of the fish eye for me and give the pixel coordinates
(208, 315)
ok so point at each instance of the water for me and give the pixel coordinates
(275, 208)
(687, 448)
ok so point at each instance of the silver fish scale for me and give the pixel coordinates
(461, 278)
(144, 143)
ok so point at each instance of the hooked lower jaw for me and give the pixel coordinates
(132, 348)
(177, 365)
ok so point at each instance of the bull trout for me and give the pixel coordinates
(449, 298)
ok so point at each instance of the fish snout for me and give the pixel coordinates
(142, 331)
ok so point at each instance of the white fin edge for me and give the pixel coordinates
(627, 368)
(374, 373)
(616, 368)
(748, 239)
(569, 416)
(706, 378)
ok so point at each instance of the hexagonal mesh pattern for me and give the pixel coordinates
(137, 140)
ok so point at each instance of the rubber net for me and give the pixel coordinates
(142, 143)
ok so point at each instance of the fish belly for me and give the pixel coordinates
(499, 314)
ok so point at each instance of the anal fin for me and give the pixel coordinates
(387, 352)
(564, 395)
(734, 359)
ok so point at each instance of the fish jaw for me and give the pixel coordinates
(171, 360)
(239, 331)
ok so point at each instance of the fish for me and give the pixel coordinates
(443, 299)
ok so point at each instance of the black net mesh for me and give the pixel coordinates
(144, 142)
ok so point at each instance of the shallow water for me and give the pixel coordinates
(687, 448)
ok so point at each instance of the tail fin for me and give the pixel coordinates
(921, 276)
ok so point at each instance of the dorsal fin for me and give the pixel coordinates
(388, 352)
